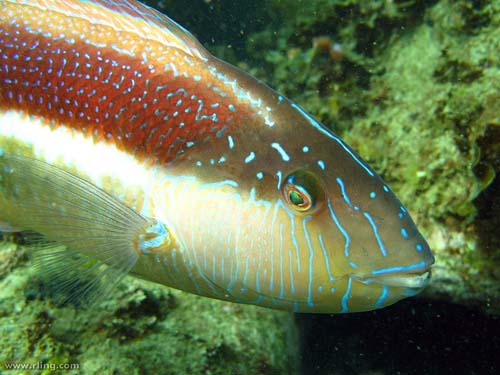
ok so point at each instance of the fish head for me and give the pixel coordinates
(337, 229)
(287, 214)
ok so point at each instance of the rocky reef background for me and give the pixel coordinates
(413, 86)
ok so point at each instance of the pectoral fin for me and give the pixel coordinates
(94, 227)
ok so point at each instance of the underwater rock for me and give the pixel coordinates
(140, 328)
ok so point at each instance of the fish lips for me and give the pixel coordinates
(414, 280)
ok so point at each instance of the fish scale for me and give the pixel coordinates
(102, 83)
(179, 168)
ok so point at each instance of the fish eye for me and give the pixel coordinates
(302, 191)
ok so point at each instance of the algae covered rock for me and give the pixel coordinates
(140, 328)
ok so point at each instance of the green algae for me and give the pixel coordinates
(141, 328)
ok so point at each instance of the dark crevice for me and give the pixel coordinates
(487, 222)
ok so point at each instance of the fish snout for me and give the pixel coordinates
(414, 281)
(409, 279)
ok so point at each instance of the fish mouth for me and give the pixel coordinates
(401, 280)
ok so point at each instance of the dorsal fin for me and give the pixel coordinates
(128, 16)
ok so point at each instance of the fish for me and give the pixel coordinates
(124, 141)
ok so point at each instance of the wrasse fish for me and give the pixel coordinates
(124, 140)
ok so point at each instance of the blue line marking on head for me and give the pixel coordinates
(383, 297)
(327, 258)
(343, 192)
(292, 284)
(341, 229)
(244, 289)
(281, 151)
(295, 243)
(375, 232)
(311, 256)
(346, 296)
(279, 175)
(250, 157)
(282, 277)
(410, 267)
(329, 134)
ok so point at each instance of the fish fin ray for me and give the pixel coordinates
(72, 278)
(68, 210)
(130, 16)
